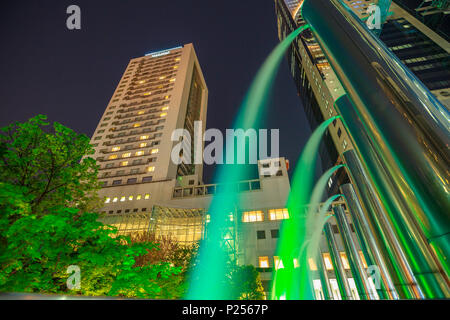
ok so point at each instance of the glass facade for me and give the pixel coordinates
(428, 61)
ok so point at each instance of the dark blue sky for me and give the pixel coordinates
(70, 75)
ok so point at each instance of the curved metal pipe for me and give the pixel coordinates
(370, 248)
(409, 131)
(407, 240)
(356, 265)
(406, 282)
(323, 273)
(341, 276)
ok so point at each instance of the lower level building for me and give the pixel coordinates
(178, 209)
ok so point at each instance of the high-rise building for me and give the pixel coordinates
(418, 57)
(424, 51)
(434, 14)
(158, 93)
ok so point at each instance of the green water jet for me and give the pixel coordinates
(319, 222)
(206, 279)
(293, 230)
(314, 224)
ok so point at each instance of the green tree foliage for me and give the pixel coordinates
(46, 190)
(169, 251)
(246, 283)
(40, 249)
(48, 162)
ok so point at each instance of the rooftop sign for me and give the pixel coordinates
(155, 54)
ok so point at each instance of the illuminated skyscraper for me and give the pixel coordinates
(158, 93)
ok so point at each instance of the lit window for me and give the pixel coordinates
(115, 199)
(312, 264)
(122, 199)
(115, 149)
(150, 169)
(143, 144)
(143, 137)
(147, 93)
(126, 155)
(166, 97)
(252, 216)
(124, 163)
(278, 214)
(130, 198)
(139, 153)
(141, 112)
(155, 151)
(147, 196)
(175, 67)
(363, 259)
(165, 108)
(107, 200)
(162, 77)
(177, 59)
(278, 263)
(327, 260)
(296, 265)
(113, 156)
(136, 125)
(172, 80)
(344, 260)
(264, 262)
(139, 197)
(163, 114)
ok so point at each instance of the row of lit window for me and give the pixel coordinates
(425, 67)
(129, 198)
(408, 45)
(144, 104)
(141, 145)
(138, 95)
(168, 74)
(128, 154)
(131, 132)
(127, 131)
(159, 87)
(156, 61)
(147, 79)
(420, 59)
(138, 124)
(151, 68)
(258, 215)
(148, 109)
(125, 163)
(263, 262)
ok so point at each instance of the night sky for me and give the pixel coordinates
(70, 75)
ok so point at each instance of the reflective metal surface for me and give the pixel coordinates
(408, 131)
(341, 276)
(324, 280)
(354, 260)
(368, 243)
(387, 242)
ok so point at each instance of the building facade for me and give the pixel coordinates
(158, 93)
